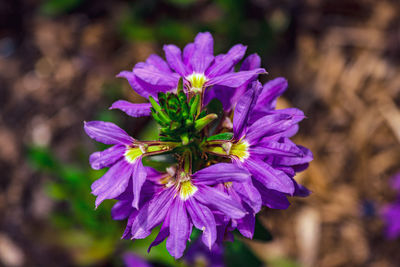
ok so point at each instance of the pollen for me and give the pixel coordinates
(228, 184)
(240, 150)
(132, 153)
(187, 189)
(197, 81)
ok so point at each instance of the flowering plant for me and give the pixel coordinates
(390, 213)
(224, 164)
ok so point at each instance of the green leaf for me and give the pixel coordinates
(221, 136)
(238, 254)
(149, 131)
(194, 106)
(42, 159)
(203, 122)
(58, 7)
(260, 232)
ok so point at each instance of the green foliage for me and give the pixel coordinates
(237, 254)
(72, 187)
(180, 119)
(182, 3)
(221, 136)
(58, 7)
(260, 232)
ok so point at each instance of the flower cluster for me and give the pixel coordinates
(391, 212)
(225, 161)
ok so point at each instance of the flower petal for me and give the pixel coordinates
(391, 215)
(246, 225)
(300, 190)
(251, 62)
(203, 53)
(107, 133)
(121, 210)
(213, 197)
(271, 91)
(178, 229)
(290, 161)
(102, 159)
(164, 233)
(138, 178)
(269, 177)
(242, 112)
(203, 219)
(269, 125)
(187, 54)
(272, 198)
(131, 260)
(153, 76)
(275, 148)
(127, 233)
(249, 194)
(131, 109)
(158, 62)
(133, 82)
(152, 213)
(226, 62)
(220, 173)
(174, 58)
(113, 183)
(235, 79)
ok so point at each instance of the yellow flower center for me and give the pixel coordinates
(228, 184)
(132, 153)
(187, 189)
(197, 81)
(240, 150)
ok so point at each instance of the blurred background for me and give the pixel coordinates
(58, 61)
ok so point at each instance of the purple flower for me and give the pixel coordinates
(229, 97)
(200, 188)
(262, 147)
(124, 159)
(391, 216)
(132, 260)
(182, 202)
(391, 212)
(254, 142)
(198, 67)
(200, 255)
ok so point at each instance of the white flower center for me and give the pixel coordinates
(197, 81)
